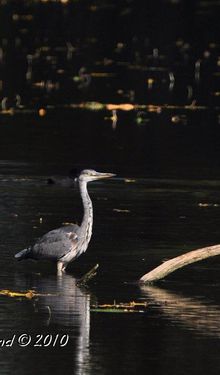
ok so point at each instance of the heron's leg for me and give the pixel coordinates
(64, 267)
(60, 268)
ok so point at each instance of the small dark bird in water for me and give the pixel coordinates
(67, 243)
(68, 181)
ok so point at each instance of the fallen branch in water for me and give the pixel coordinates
(178, 262)
(88, 276)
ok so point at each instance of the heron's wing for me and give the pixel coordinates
(56, 243)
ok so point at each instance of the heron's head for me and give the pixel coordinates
(88, 175)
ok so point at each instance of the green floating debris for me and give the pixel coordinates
(130, 307)
(109, 310)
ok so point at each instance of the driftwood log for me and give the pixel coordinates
(178, 262)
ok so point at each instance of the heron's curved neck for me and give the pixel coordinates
(87, 205)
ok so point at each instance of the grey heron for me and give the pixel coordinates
(67, 243)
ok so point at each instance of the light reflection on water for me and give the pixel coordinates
(192, 313)
(67, 307)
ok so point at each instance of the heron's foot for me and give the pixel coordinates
(60, 268)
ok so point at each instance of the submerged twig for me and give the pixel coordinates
(88, 276)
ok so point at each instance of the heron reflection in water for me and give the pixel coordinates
(67, 243)
(62, 304)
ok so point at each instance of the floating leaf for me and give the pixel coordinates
(130, 180)
(208, 205)
(120, 210)
(28, 294)
(102, 75)
(122, 107)
(10, 293)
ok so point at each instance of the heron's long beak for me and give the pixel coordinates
(105, 175)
